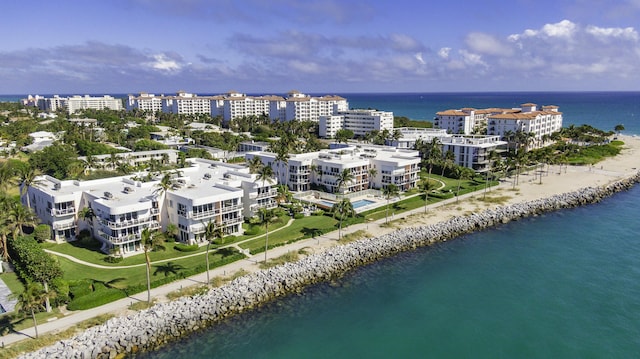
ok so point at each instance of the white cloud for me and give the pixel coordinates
(444, 52)
(563, 29)
(472, 59)
(163, 63)
(487, 44)
(604, 33)
(419, 58)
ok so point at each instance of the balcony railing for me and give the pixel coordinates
(120, 239)
(125, 224)
(231, 221)
(269, 193)
(63, 226)
(59, 212)
(214, 212)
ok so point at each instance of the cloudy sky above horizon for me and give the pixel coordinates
(318, 46)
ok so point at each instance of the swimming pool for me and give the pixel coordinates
(361, 203)
(357, 204)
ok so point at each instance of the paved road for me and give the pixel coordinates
(249, 264)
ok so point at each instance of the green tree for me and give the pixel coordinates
(30, 301)
(343, 178)
(212, 231)
(54, 160)
(150, 241)
(255, 163)
(389, 191)
(20, 216)
(86, 214)
(28, 178)
(342, 210)
(619, 128)
(462, 173)
(42, 232)
(343, 135)
(267, 216)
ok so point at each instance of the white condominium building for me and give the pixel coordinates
(301, 107)
(469, 151)
(371, 166)
(360, 122)
(236, 105)
(122, 207)
(111, 161)
(472, 151)
(501, 121)
(528, 120)
(185, 103)
(145, 102)
(74, 103)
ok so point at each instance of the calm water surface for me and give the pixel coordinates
(563, 285)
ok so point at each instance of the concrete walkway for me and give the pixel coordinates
(250, 264)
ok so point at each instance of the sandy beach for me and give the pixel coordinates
(529, 188)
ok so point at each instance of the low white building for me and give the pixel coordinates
(123, 206)
(360, 122)
(371, 166)
(472, 151)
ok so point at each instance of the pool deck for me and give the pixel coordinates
(323, 202)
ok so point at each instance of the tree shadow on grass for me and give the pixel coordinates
(168, 268)
(311, 232)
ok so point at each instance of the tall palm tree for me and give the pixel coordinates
(5, 231)
(372, 172)
(30, 301)
(343, 178)
(162, 187)
(463, 173)
(211, 232)
(86, 214)
(7, 176)
(265, 174)
(267, 216)
(431, 152)
(447, 161)
(28, 178)
(149, 240)
(282, 159)
(389, 191)
(342, 209)
(21, 216)
(254, 164)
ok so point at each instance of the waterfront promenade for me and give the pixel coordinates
(529, 188)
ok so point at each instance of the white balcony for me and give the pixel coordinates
(61, 212)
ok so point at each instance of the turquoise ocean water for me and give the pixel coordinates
(562, 285)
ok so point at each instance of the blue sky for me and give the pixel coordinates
(318, 46)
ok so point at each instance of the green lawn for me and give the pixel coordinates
(11, 280)
(301, 228)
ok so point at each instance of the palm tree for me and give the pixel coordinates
(149, 242)
(162, 187)
(86, 214)
(343, 209)
(343, 178)
(463, 173)
(447, 160)
(21, 216)
(7, 176)
(619, 128)
(389, 191)
(430, 152)
(211, 232)
(28, 178)
(372, 172)
(282, 159)
(255, 163)
(31, 300)
(5, 231)
(267, 216)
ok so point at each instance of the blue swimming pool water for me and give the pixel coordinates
(361, 203)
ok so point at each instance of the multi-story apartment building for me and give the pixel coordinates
(360, 122)
(302, 107)
(185, 103)
(528, 120)
(501, 121)
(110, 161)
(74, 103)
(145, 102)
(470, 151)
(322, 168)
(123, 206)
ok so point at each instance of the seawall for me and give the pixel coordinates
(167, 322)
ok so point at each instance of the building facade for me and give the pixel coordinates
(360, 122)
(122, 207)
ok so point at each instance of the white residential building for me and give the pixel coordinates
(185, 103)
(302, 107)
(110, 161)
(528, 120)
(455, 121)
(145, 102)
(472, 151)
(322, 168)
(123, 206)
(360, 122)
(77, 103)
(410, 135)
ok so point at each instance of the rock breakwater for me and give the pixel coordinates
(166, 322)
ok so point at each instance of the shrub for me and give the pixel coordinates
(96, 299)
(186, 247)
(113, 259)
(42, 233)
(318, 212)
(298, 216)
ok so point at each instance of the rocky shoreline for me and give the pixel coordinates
(163, 323)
